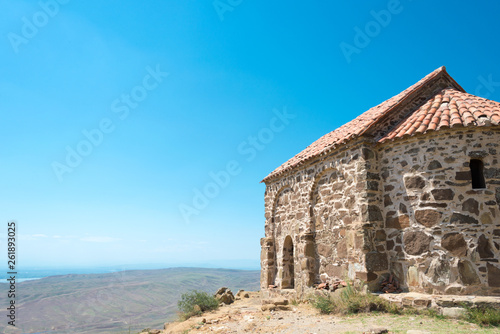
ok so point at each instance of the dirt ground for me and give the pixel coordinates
(246, 316)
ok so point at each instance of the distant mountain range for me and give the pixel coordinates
(113, 302)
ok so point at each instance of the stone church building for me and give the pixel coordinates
(411, 188)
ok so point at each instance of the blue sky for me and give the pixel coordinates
(117, 115)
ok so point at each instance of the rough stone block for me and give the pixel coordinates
(434, 164)
(309, 250)
(414, 182)
(486, 218)
(367, 153)
(443, 194)
(463, 176)
(403, 208)
(342, 249)
(416, 242)
(453, 312)
(399, 222)
(325, 250)
(428, 217)
(376, 261)
(484, 247)
(455, 243)
(478, 154)
(471, 205)
(407, 301)
(380, 235)
(458, 218)
(419, 302)
(438, 271)
(387, 200)
(452, 290)
(372, 213)
(366, 276)
(493, 275)
(335, 271)
(492, 173)
(467, 273)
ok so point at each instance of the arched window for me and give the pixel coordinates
(476, 172)
(288, 281)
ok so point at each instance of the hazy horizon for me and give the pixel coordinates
(29, 273)
(139, 132)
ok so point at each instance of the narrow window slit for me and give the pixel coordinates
(477, 175)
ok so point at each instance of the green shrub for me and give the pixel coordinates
(431, 312)
(484, 316)
(323, 304)
(352, 300)
(195, 303)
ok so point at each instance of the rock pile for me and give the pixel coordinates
(224, 296)
(390, 285)
(150, 331)
(336, 284)
(241, 294)
(275, 304)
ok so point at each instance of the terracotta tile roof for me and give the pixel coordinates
(449, 107)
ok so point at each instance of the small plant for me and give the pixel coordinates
(433, 313)
(195, 303)
(324, 304)
(483, 316)
(352, 300)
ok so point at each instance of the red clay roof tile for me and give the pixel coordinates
(447, 107)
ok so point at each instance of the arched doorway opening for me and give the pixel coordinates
(288, 266)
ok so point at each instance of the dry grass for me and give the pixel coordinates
(483, 316)
(351, 300)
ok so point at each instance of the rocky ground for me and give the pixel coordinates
(246, 315)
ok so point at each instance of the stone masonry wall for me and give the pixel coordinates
(324, 207)
(405, 207)
(441, 235)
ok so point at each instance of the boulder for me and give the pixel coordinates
(224, 295)
(221, 291)
(242, 294)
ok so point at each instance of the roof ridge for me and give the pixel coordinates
(368, 121)
(410, 92)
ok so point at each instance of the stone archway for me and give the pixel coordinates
(288, 280)
(278, 227)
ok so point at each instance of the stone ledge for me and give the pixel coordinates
(289, 294)
(439, 302)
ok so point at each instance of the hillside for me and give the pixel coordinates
(106, 303)
(248, 316)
